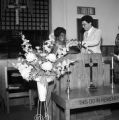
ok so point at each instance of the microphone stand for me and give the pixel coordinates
(112, 83)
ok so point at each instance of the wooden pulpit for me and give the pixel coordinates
(87, 67)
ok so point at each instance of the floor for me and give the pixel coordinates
(18, 113)
(23, 113)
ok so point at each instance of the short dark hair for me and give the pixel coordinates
(87, 18)
(58, 31)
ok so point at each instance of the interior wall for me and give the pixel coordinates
(58, 13)
(64, 13)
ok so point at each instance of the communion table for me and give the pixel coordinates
(82, 98)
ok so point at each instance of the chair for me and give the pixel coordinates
(16, 87)
(2, 103)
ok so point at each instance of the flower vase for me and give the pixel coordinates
(42, 112)
(42, 91)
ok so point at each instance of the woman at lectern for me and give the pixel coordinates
(92, 36)
(60, 39)
(116, 49)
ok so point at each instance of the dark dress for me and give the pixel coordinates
(116, 62)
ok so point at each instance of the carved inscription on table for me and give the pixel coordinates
(98, 100)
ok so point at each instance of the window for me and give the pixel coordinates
(29, 16)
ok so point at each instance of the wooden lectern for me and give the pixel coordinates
(80, 73)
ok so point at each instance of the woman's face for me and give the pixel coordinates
(86, 25)
(62, 37)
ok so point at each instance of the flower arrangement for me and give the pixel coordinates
(37, 63)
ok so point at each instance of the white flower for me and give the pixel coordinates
(48, 45)
(25, 70)
(30, 57)
(61, 52)
(51, 57)
(59, 65)
(64, 63)
(47, 48)
(43, 54)
(23, 37)
(39, 62)
(50, 78)
(38, 78)
(47, 66)
(37, 47)
(25, 73)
